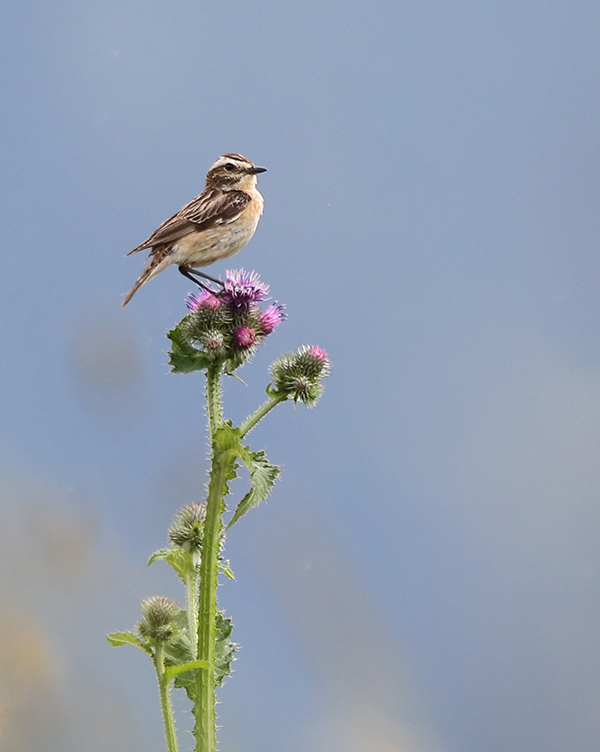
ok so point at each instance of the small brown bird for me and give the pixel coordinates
(213, 226)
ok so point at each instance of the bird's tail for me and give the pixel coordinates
(155, 266)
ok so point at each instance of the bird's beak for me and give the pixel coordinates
(255, 170)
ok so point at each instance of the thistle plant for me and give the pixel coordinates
(191, 646)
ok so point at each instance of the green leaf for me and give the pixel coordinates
(235, 376)
(179, 650)
(179, 653)
(128, 638)
(262, 478)
(224, 648)
(226, 445)
(187, 680)
(176, 557)
(162, 553)
(185, 676)
(228, 441)
(183, 357)
(225, 567)
(174, 671)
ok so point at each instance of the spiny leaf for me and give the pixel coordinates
(262, 478)
(226, 448)
(187, 680)
(128, 638)
(162, 553)
(227, 438)
(224, 648)
(228, 441)
(180, 560)
(179, 653)
(183, 357)
(225, 567)
(224, 655)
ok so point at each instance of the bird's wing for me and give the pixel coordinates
(172, 229)
(215, 208)
(208, 209)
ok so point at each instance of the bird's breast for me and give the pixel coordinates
(205, 247)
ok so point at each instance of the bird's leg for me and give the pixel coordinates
(187, 272)
(206, 276)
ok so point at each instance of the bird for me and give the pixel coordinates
(213, 226)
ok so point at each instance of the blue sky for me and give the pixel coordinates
(427, 573)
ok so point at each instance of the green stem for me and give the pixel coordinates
(191, 597)
(214, 408)
(222, 462)
(259, 414)
(204, 730)
(165, 701)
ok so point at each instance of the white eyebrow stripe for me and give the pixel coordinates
(227, 158)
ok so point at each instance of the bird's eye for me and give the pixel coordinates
(229, 167)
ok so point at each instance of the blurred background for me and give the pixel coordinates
(426, 576)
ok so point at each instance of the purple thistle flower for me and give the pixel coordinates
(272, 317)
(244, 337)
(243, 288)
(204, 298)
(317, 352)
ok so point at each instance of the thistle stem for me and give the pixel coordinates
(260, 413)
(191, 597)
(165, 701)
(215, 506)
(222, 462)
(214, 407)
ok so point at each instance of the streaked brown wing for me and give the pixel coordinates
(172, 229)
(208, 209)
(215, 207)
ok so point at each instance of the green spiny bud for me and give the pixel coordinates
(187, 530)
(299, 375)
(159, 619)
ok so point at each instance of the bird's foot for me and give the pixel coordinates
(193, 273)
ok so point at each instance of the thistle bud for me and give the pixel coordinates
(187, 530)
(206, 324)
(244, 337)
(299, 375)
(159, 619)
(213, 341)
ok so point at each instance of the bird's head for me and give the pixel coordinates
(233, 172)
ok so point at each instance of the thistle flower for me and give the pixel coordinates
(159, 619)
(204, 298)
(225, 325)
(299, 375)
(272, 317)
(318, 353)
(243, 288)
